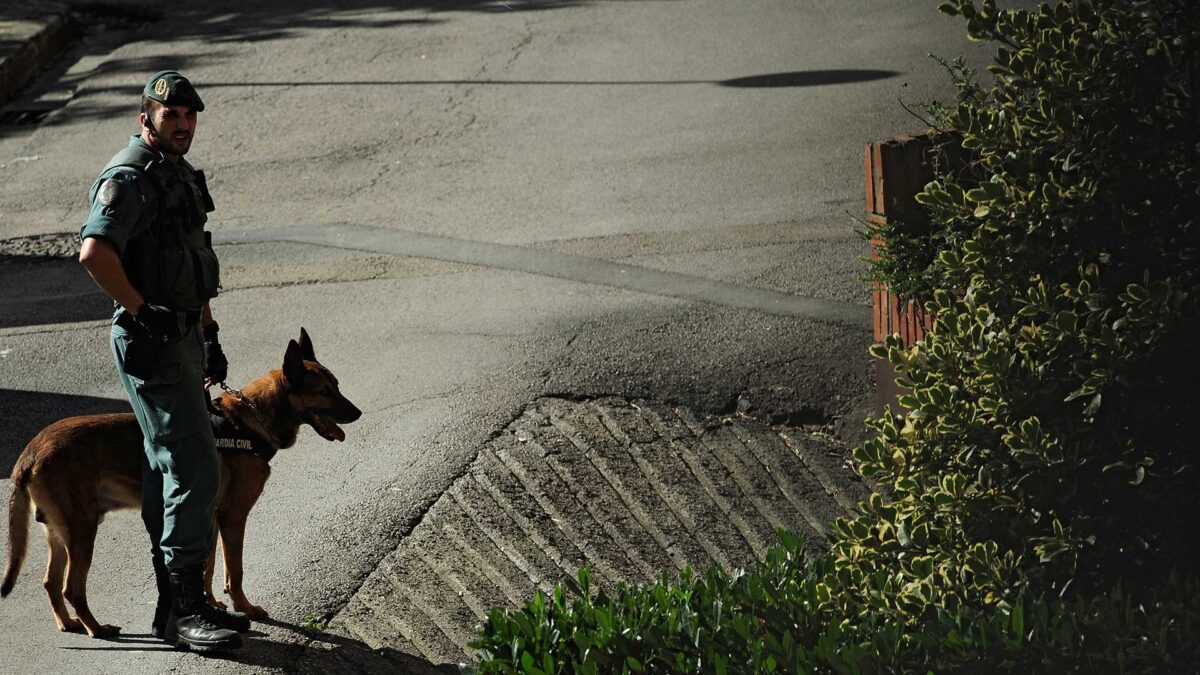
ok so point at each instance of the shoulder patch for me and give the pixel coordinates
(109, 192)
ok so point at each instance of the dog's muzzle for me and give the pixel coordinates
(325, 421)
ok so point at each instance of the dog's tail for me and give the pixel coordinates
(18, 534)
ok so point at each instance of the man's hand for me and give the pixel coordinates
(160, 321)
(217, 366)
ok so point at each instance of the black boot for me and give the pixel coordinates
(193, 629)
(162, 611)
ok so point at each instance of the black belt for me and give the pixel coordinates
(125, 319)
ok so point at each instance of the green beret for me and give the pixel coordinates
(171, 88)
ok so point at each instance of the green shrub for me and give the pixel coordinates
(1048, 449)
(1051, 404)
(717, 622)
(784, 616)
(1042, 488)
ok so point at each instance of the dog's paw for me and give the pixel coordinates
(255, 612)
(216, 603)
(71, 626)
(105, 631)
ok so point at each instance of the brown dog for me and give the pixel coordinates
(77, 469)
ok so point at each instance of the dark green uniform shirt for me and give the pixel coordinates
(117, 221)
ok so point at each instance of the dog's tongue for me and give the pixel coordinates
(328, 429)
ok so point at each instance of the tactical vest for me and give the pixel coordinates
(170, 259)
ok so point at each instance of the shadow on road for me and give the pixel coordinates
(100, 27)
(48, 291)
(329, 653)
(807, 78)
(259, 20)
(133, 642)
(24, 413)
(245, 21)
(799, 78)
(326, 653)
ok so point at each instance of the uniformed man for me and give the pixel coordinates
(145, 245)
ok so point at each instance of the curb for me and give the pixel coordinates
(20, 65)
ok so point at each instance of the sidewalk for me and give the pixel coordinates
(32, 33)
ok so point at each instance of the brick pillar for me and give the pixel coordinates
(896, 170)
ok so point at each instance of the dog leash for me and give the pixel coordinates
(242, 399)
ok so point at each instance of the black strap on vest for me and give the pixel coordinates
(232, 439)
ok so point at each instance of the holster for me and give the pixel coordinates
(141, 355)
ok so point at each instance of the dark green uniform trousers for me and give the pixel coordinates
(180, 471)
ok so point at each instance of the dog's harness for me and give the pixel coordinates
(231, 438)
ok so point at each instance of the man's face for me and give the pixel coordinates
(174, 126)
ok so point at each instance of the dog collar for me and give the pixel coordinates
(230, 438)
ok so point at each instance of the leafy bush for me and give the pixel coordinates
(785, 616)
(1048, 449)
(1052, 401)
(718, 622)
(1042, 488)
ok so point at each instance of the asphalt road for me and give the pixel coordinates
(468, 205)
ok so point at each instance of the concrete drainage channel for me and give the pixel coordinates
(626, 488)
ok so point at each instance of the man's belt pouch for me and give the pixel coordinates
(141, 354)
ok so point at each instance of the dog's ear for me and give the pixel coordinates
(293, 364)
(306, 348)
